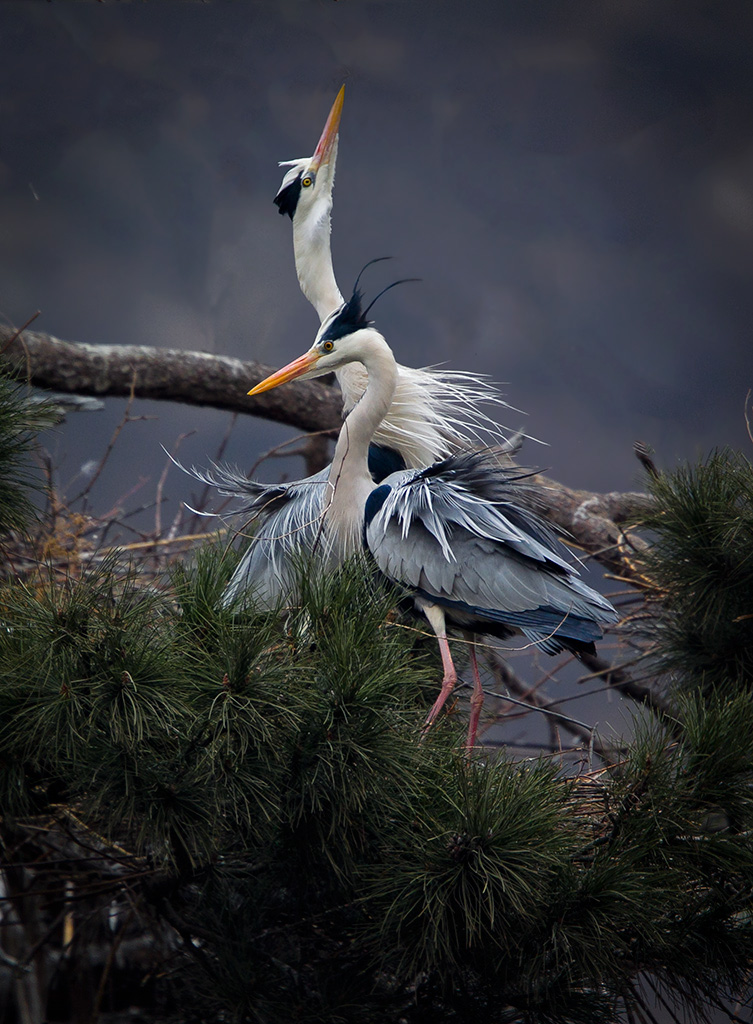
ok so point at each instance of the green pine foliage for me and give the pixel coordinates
(91, 688)
(701, 563)
(320, 860)
(468, 865)
(20, 420)
(356, 743)
(503, 891)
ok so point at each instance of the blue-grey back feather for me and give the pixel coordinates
(465, 534)
(284, 521)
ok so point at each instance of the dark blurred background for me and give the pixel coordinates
(573, 183)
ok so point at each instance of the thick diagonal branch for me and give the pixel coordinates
(200, 378)
(596, 521)
(197, 378)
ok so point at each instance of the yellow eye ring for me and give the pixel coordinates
(306, 182)
(328, 346)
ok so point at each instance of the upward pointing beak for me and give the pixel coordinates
(328, 140)
(293, 370)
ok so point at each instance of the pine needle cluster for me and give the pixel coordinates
(173, 721)
(20, 419)
(263, 787)
(701, 564)
(509, 887)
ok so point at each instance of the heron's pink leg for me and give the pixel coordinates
(435, 615)
(449, 681)
(477, 702)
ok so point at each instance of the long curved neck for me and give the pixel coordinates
(313, 257)
(349, 474)
(316, 276)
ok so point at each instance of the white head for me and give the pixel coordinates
(310, 180)
(345, 336)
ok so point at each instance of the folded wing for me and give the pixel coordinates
(465, 535)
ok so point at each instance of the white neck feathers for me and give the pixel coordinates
(349, 477)
(313, 257)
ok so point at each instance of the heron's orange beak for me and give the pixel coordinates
(295, 369)
(327, 142)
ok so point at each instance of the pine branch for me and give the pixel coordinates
(20, 419)
(701, 568)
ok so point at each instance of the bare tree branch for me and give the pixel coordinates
(197, 378)
(593, 521)
(505, 676)
(201, 378)
(617, 677)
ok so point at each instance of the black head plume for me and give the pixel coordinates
(377, 259)
(403, 280)
(351, 316)
(287, 198)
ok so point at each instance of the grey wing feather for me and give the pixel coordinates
(466, 533)
(286, 533)
(254, 497)
(285, 519)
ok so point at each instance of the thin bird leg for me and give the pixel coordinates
(477, 701)
(435, 616)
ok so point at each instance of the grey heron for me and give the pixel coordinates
(462, 535)
(432, 412)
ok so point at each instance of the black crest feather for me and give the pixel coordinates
(352, 316)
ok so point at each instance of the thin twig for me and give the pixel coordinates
(586, 734)
(108, 966)
(116, 434)
(622, 681)
(539, 707)
(20, 331)
(278, 453)
(204, 496)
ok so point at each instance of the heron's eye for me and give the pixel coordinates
(307, 181)
(328, 346)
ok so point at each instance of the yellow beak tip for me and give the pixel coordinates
(293, 370)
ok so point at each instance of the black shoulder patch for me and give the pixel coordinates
(384, 461)
(286, 199)
(374, 502)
